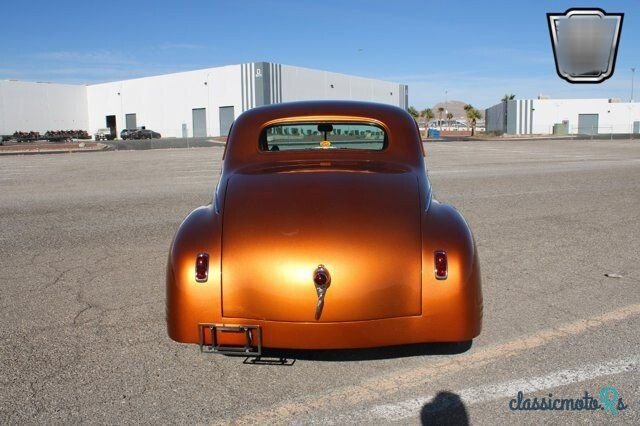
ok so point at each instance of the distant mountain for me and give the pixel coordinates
(454, 107)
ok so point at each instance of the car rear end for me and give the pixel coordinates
(316, 239)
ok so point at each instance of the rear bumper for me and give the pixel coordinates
(357, 334)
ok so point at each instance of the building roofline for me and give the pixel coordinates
(205, 69)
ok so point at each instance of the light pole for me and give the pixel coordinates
(633, 73)
(446, 103)
(122, 117)
(208, 110)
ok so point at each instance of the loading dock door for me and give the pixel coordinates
(226, 120)
(588, 124)
(199, 122)
(131, 121)
(111, 124)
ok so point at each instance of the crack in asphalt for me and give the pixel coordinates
(60, 275)
(80, 298)
(35, 400)
(86, 308)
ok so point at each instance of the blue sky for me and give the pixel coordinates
(475, 51)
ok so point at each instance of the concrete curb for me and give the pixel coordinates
(128, 145)
(497, 139)
(168, 143)
(36, 151)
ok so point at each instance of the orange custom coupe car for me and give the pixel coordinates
(323, 233)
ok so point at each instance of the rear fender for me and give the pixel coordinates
(190, 302)
(455, 303)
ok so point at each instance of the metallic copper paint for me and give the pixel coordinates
(261, 266)
(291, 233)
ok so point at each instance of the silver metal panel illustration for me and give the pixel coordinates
(585, 44)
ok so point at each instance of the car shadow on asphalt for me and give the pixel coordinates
(445, 408)
(278, 356)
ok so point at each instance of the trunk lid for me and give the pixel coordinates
(363, 226)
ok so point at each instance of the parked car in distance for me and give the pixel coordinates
(145, 134)
(127, 133)
(103, 135)
(322, 234)
(139, 133)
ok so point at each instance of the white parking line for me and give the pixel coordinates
(376, 388)
(493, 392)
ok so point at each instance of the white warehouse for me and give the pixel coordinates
(564, 116)
(187, 104)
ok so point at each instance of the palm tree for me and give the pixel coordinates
(472, 115)
(449, 117)
(508, 97)
(414, 112)
(428, 115)
(440, 112)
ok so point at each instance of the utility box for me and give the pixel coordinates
(561, 129)
(433, 134)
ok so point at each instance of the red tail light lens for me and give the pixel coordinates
(202, 267)
(441, 268)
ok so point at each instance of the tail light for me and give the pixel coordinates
(202, 267)
(440, 264)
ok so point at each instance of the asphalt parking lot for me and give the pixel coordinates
(83, 246)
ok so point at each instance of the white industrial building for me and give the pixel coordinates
(186, 104)
(563, 116)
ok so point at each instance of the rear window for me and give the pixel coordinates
(325, 135)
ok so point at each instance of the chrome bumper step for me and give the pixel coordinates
(209, 339)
